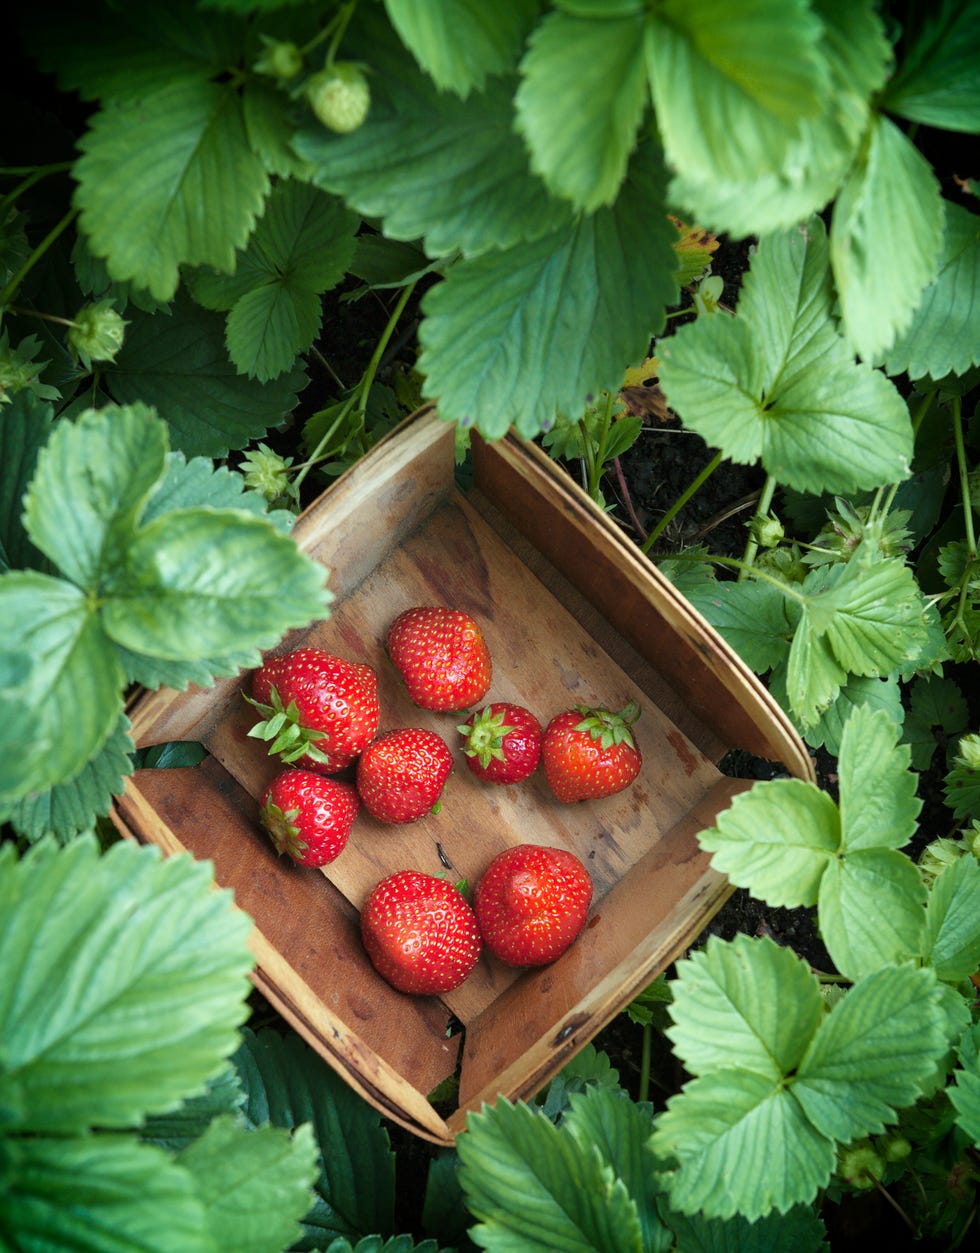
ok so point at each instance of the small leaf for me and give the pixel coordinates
(860, 940)
(965, 1091)
(755, 617)
(25, 425)
(936, 704)
(858, 692)
(878, 805)
(873, 1054)
(953, 921)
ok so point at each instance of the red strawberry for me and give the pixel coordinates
(402, 774)
(502, 742)
(531, 903)
(590, 753)
(420, 933)
(307, 816)
(442, 656)
(319, 711)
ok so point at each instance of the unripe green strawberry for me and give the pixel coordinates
(97, 333)
(340, 97)
(280, 59)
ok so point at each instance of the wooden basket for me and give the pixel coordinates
(573, 614)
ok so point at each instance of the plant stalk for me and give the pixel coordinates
(681, 501)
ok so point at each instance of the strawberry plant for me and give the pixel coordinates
(196, 198)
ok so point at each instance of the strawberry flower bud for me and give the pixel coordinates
(97, 333)
(280, 59)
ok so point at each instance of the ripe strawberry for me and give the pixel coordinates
(401, 775)
(442, 656)
(531, 903)
(502, 742)
(420, 933)
(307, 816)
(590, 753)
(319, 711)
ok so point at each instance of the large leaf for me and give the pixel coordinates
(874, 1053)
(531, 1187)
(460, 42)
(937, 82)
(582, 153)
(202, 583)
(287, 1084)
(941, 338)
(167, 180)
(301, 247)
(179, 364)
(861, 939)
(91, 484)
(124, 983)
(732, 82)
(451, 172)
(98, 1194)
(776, 383)
(953, 921)
(225, 1164)
(25, 424)
(69, 665)
(516, 337)
(888, 206)
(857, 56)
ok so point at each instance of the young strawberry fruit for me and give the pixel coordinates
(318, 711)
(420, 933)
(307, 816)
(531, 903)
(442, 656)
(590, 753)
(502, 742)
(401, 775)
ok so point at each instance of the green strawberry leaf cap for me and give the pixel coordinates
(283, 731)
(484, 736)
(609, 728)
(283, 831)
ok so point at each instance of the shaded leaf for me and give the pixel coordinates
(953, 921)
(25, 425)
(936, 82)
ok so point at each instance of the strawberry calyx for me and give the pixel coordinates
(282, 729)
(283, 831)
(484, 735)
(609, 728)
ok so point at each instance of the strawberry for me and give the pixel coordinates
(442, 656)
(401, 775)
(502, 742)
(307, 816)
(419, 932)
(340, 96)
(319, 711)
(590, 753)
(531, 902)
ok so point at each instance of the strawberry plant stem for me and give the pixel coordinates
(52, 236)
(681, 501)
(761, 511)
(643, 1092)
(964, 472)
(34, 175)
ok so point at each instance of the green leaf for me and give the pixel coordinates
(776, 383)
(98, 1194)
(125, 981)
(225, 1164)
(301, 247)
(953, 921)
(878, 805)
(180, 365)
(569, 1198)
(777, 839)
(73, 667)
(743, 1145)
(888, 206)
(936, 83)
(940, 339)
(178, 1128)
(203, 583)
(25, 424)
(857, 56)
(799, 1229)
(287, 1084)
(514, 337)
(582, 153)
(72, 807)
(458, 42)
(872, 1055)
(814, 677)
(935, 703)
(754, 617)
(748, 1003)
(965, 1091)
(270, 126)
(963, 780)
(858, 692)
(453, 173)
(90, 486)
(199, 481)
(861, 939)
(167, 180)
(732, 82)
